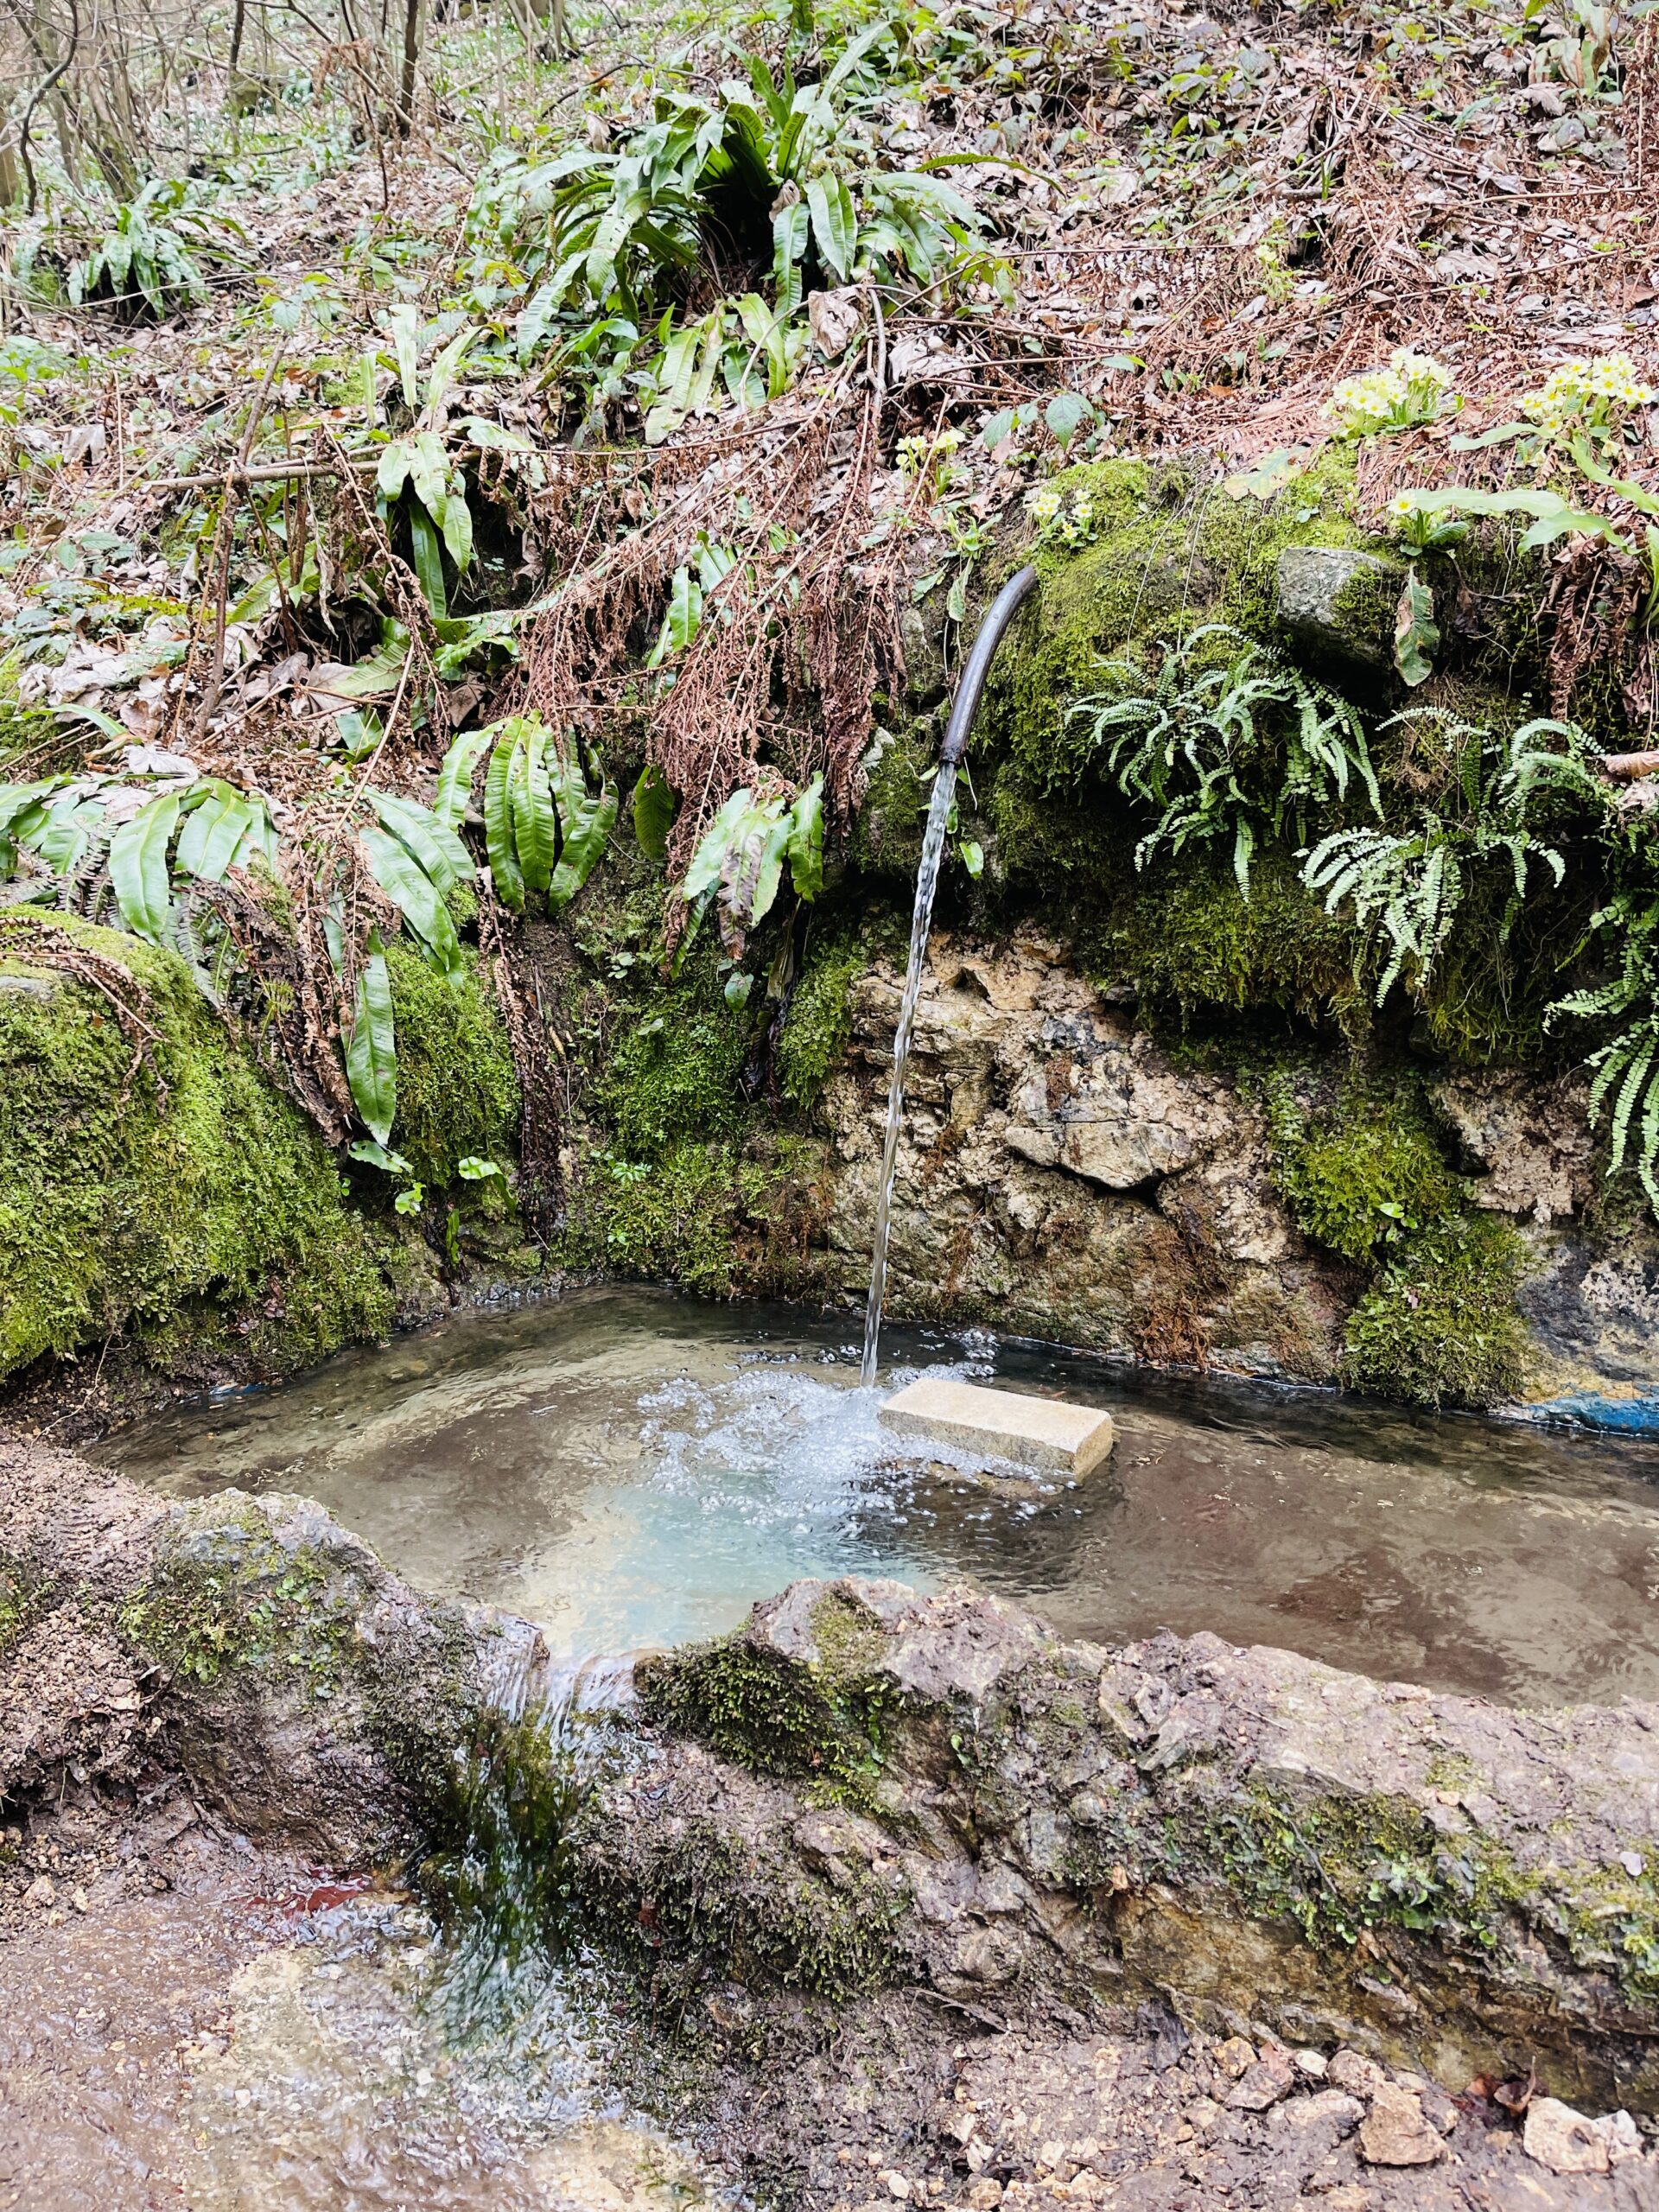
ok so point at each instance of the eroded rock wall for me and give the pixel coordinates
(865, 1787)
(1063, 1174)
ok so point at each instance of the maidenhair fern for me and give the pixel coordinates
(1403, 889)
(1224, 749)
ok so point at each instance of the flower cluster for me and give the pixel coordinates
(1587, 396)
(914, 456)
(1067, 516)
(1413, 389)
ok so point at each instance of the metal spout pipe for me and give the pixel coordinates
(1003, 608)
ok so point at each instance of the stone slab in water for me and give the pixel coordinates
(1046, 1432)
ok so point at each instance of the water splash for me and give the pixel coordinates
(927, 883)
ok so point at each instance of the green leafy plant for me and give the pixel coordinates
(739, 865)
(545, 826)
(1411, 390)
(614, 238)
(1229, 743)
(1585, 412)
(1626, 1085)
(1404, 888)
(437, 507)
(136, 840)
(151, 257)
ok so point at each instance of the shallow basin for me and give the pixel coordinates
(630, 1468)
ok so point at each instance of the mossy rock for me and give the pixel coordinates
(705, 1217)
(823, 1723)
(457, 1090)
(1339, 603)
(1365, 1176)
(1191, 941)
(1440, 1326)
(131, 1198)
(675, 1067)
(1169, 553)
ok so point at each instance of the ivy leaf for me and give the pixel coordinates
(377, 1155)
(371, 1048)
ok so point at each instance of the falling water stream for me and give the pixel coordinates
(998, 616)
(927, 883)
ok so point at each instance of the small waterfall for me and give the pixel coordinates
(927, 881)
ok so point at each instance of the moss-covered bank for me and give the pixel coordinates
(170, 1199)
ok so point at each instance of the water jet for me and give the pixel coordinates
(1036, 1433)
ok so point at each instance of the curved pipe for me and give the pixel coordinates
(1003, 608)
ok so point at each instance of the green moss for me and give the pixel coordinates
(1363, 1176)
(823, 1723)
(1193, 942)
(1340, 1867)
(820, 1019)
(128, 1199)
(1363, 610)
(749, 1911)
(227, 1596)
(676, 1064)
(501, 1869)
(703, 1215)
(22, 728)
(1439, 1326)
(457, 1091)
(886, 838)
(1171, 553)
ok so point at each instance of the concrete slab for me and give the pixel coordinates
(1043, 1433)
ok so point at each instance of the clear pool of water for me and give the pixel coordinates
(630, 1468)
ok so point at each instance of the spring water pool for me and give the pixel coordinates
(630, 1468)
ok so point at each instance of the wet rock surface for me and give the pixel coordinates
(901, 1791)
(311, 1696)
(937, 1911)
(1062, 1174)
(1058, 1170)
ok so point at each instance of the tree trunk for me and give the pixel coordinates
(411, 57)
